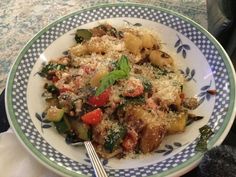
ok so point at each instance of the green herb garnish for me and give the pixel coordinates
(123, 64)
(205, 134)
(121, 72)
(49, 67)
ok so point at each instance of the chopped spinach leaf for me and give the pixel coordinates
(49, 67)
(205, 134)
(114, 138)
(53, 89)
(135, 100)
(159, 72)
(147, 85)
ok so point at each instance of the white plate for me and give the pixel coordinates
(200, 57)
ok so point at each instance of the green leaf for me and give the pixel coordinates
(82, 35)
(109, 80)
(205, 133)
(53, 89)
(135, 100)
(120, 73)
(114, 138)
(50, 67)
(147, 85)
(123, 64)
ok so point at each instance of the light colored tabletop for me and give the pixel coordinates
(20, 20)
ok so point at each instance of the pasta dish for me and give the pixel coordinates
(118, 89)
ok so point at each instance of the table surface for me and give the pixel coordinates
(20, 20)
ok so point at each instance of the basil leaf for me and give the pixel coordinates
(109, 80)
(120, 73)
(123, 64)
(205, 134)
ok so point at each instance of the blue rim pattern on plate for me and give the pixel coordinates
(25, 62)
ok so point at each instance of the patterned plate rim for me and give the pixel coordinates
(178, 170)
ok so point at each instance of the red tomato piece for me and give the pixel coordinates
(133, 88)
(93, 118)
(101, 99)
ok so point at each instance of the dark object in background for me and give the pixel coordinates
(4, 125)
(222, 24)
(218, 162)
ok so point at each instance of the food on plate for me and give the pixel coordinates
(117, 88)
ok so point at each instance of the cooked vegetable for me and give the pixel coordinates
(54, 114)
(62, 126)
(178, 123)
(50, 67)
(135, 100)
(53, 90)
(192, 118)
(100, 100)
(147, 85)
(82, 35)
(152, 137)
(205, 134)
(114, 138)
(93, 117)
(84, 131)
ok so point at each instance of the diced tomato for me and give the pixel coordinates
(64, 89)
(93, 118)
(101, 99)
(130, 140)
(133, 88)
(134, 92)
